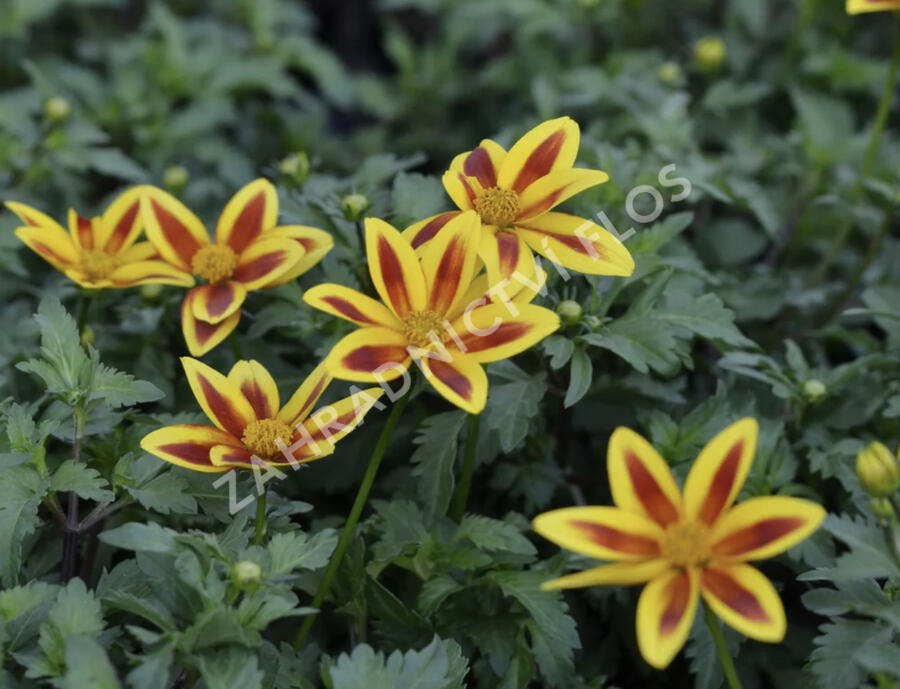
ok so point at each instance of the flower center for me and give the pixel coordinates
(686, 544)
(261, 437)
(498, 207)
(97, 264)
(418, 325)
(214, 263)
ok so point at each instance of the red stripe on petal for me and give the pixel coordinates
(85, 235)
(757, 535)
(248, 225)
(47, 251)
(370, 357)
(508, 248)
(348, 309)
(452, 378)
(617, 540)
(722, 483)
(654, 500)
(733, 595)
(478, 164)
(392, 274)
(219, 298)
(678, 598)
(122, 229)
(259, 266)
(175, 233)
(431, 228)
(541, 160)
(257, 399)
(193, 453)
(505, 332)
(447, 275)
(221, 408)
(470, 192)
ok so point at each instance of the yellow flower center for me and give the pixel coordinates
(261, 437)
(418, 325)
(687, 544)
(97, 264)
(214, 263)
(498, 207)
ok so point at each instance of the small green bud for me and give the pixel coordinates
(670, 73)
(295, 167)
(710, 52)
(882, 508)
(354, 206)
(569, 311)
(176, 177)
(151, 291)
(57, 109)
(246, 571)
(814, 388)
(878, 470)
(87, 336)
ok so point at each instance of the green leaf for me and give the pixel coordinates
(87, 666)
(150, 537)
(21, 490)
(118, 389)
(836, 660)
(440, 665)
(81, 479)
(296, 550)
(434, 460)
(581, 373)
(513, 405)
(75, 613)
(492, 535)
(113, 163)
(231, 668)
(64, 360)
(165, 493)
(416, 196)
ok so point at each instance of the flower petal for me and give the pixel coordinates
(461, 188)
(32, 216)
(719, 472)
(221, 399)
(149, 272)
(483, 163)
(418, 234)
(188, 445)
(762, 527)
(200, 336)
(51, 243)
(461, 380)
(552, 145)
(449, 261)
(144, 251)
(171, 227)
(665, 612)
(857, 6)
(303, 399)
(350, 305)
(251, 211)
(316, 243)
(257, 386)
(374, 354)
(318, 434)
(746, 600)
(266, 260)
(121, 224)
(550, 191)
(394, 268)
(640, 480)
(215, 303)
(618, 574)
(576, 244)
(81, 230)
(604, 533)
(505, 253)
(226, 457)
(491, 332)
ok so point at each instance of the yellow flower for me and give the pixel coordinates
(513, 193)
(685, 544)
(249, 253)
(249, 421)
(878, 470)
(98, 252)
(432, 312)
(858, 6)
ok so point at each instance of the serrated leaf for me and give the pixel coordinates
(493, 535)
(21, 490)
(88, 666)
(434, 461)
(165, 493)
(81, 479)
(297, 550)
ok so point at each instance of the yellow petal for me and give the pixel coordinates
(303, 399)
(448, 262)
(370, 355)
(394, 268)
(50, 243)
(188, 445)
(491, 333)
(171, 227)
(604, 533)
(665, 612)
(316, 243)
(616, 574)
(258, 386)
(746, 600)
(221, 400)
(461, 380)
(350, 305)
(551, 146)
(250, 212)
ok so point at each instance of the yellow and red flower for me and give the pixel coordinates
(514, 193)
(685, 544)
(432, 313)
(249, 421)
(249, 253)
(98, 252)
(858, 6)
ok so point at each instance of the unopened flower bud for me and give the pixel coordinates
(87, 336)
(295, 167)
(814, 388)
(878, 470)
(57, 109)
(670, 73)
(176, 177)
(246, 571)
(354, 206)
(882, 508)
(569, 311)
(151, 291)
(710, 52)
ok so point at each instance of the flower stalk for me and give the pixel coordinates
(721, 649)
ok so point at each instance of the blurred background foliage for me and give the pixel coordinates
(747, 299)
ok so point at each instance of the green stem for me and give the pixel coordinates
(721, 649)
(70, 537)
(881, 116)
(362, 495)
(468, 469)
(260, 524)
(84, 308)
